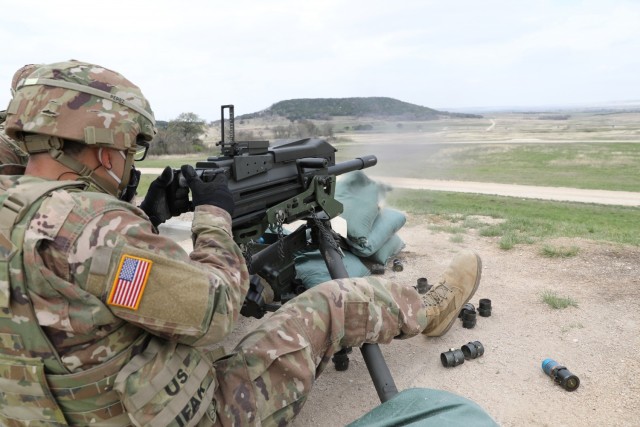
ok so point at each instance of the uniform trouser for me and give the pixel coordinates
(270, 374)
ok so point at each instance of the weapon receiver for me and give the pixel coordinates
(279, 183)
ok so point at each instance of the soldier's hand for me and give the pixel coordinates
(215, 192)
(159, 204)
(178, 196)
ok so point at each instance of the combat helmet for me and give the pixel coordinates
(81, 102)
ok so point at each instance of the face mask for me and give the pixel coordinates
(109, 171)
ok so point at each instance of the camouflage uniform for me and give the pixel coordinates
(266, 379)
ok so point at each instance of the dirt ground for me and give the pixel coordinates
(598, 341)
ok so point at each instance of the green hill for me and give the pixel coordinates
(325, 108)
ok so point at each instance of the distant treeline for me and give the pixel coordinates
(555, 117)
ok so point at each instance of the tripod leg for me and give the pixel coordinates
(377, 366)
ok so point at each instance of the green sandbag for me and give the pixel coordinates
(386, 224)
(391, 247)
(426, 407)
(311, 269)
(360, 197)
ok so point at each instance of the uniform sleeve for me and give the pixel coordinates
(149, 280)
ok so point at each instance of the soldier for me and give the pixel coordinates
(12, 157)
(105, 322)
(10, 153)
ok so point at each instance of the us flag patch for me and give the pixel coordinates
(130, 281)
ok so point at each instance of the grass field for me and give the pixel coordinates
(602, 166)
(521, 221)
(174, 161)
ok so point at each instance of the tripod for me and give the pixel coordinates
(278, 269)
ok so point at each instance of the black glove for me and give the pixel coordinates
(178, 197)
(215, 192)
(129, 191)
(165, 198)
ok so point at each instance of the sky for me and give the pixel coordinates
(195, 55)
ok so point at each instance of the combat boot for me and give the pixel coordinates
(456, 287)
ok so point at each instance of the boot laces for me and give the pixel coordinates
(437, 295)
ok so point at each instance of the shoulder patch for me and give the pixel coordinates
(130, 281)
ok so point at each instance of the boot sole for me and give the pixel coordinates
(472, 293)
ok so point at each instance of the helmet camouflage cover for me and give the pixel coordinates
(79, 101)
(20, 75)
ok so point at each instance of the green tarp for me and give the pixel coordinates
(426, 407)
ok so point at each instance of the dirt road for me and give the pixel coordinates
(622, 198)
